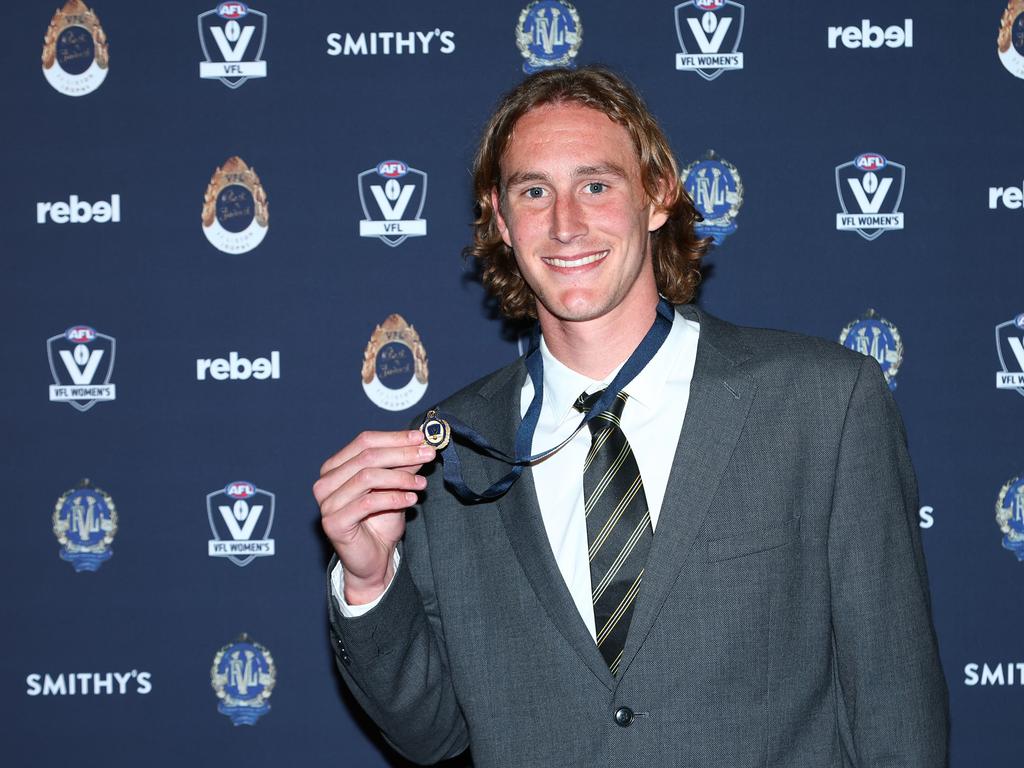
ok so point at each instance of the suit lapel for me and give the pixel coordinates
(520, 514)
(720, 398)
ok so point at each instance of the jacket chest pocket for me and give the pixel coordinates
(752, 540)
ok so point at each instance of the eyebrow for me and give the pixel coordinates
(607, 169)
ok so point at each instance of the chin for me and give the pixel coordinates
(577, 309)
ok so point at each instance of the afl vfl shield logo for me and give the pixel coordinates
(392, 196)
(1010, 348)
(709, 33)
(549, 34)
(236, 215)
(75, 55)
(81, 362)
(84, 522)
(395, 365)
(870, 190)
(232, 36)
(876, 337)
(243, 676)
(1010, 43)
(1010, 515)
(240, 517)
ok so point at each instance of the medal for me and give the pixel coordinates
(437, 433)
(438, 428)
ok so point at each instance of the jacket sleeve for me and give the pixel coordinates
(892, 691)
(394, 661)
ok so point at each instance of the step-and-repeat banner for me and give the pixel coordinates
(232, 239)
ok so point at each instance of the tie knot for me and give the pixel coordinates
(584, 403)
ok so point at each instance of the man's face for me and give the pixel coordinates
(575, 213)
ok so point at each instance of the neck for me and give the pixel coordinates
(596, 347)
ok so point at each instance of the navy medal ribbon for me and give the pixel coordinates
(439, 428)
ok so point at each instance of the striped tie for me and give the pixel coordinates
(618, 526)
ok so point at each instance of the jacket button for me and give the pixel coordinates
(624, 717)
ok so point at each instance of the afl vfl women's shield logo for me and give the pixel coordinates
(1010, 348)
(240, 517)
(81, 362)
(709, 33)
(392, 196)
(870, 189)
(232, 36)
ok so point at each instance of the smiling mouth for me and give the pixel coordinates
(577, 262)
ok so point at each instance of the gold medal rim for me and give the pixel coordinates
(446, 433)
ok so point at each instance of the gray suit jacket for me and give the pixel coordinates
(784, 617)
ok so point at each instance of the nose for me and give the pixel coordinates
(568, 220)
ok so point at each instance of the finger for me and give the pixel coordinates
(365, 440)
(343, 525)
(412, 469)
(390, 458)
(366, 480)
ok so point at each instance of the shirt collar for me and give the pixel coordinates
(562, 385)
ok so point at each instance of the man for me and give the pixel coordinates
(722, 569)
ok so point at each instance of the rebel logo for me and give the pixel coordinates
(78, 211)
(869, 35)
(235, 367)
(1008, 197)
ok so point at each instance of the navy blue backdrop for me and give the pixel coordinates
(232, 239)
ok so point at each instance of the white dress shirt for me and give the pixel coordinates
(651, 420)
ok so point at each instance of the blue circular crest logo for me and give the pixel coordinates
(876, 337)
(85, 522)
(716, 189)
(1010, 515)
(549, 34)
(243, 676)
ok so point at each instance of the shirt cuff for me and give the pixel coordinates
(338, 588)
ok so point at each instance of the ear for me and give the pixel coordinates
(499, 219)
(659, 210)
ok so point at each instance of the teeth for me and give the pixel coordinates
(577, 262)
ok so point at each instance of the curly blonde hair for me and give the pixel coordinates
(676, 251)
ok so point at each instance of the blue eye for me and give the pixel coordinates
(535, 192)
(595, 187)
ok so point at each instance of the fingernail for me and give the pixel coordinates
(421, 481)
(410, 498)
(426, 452)
(415, 434)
